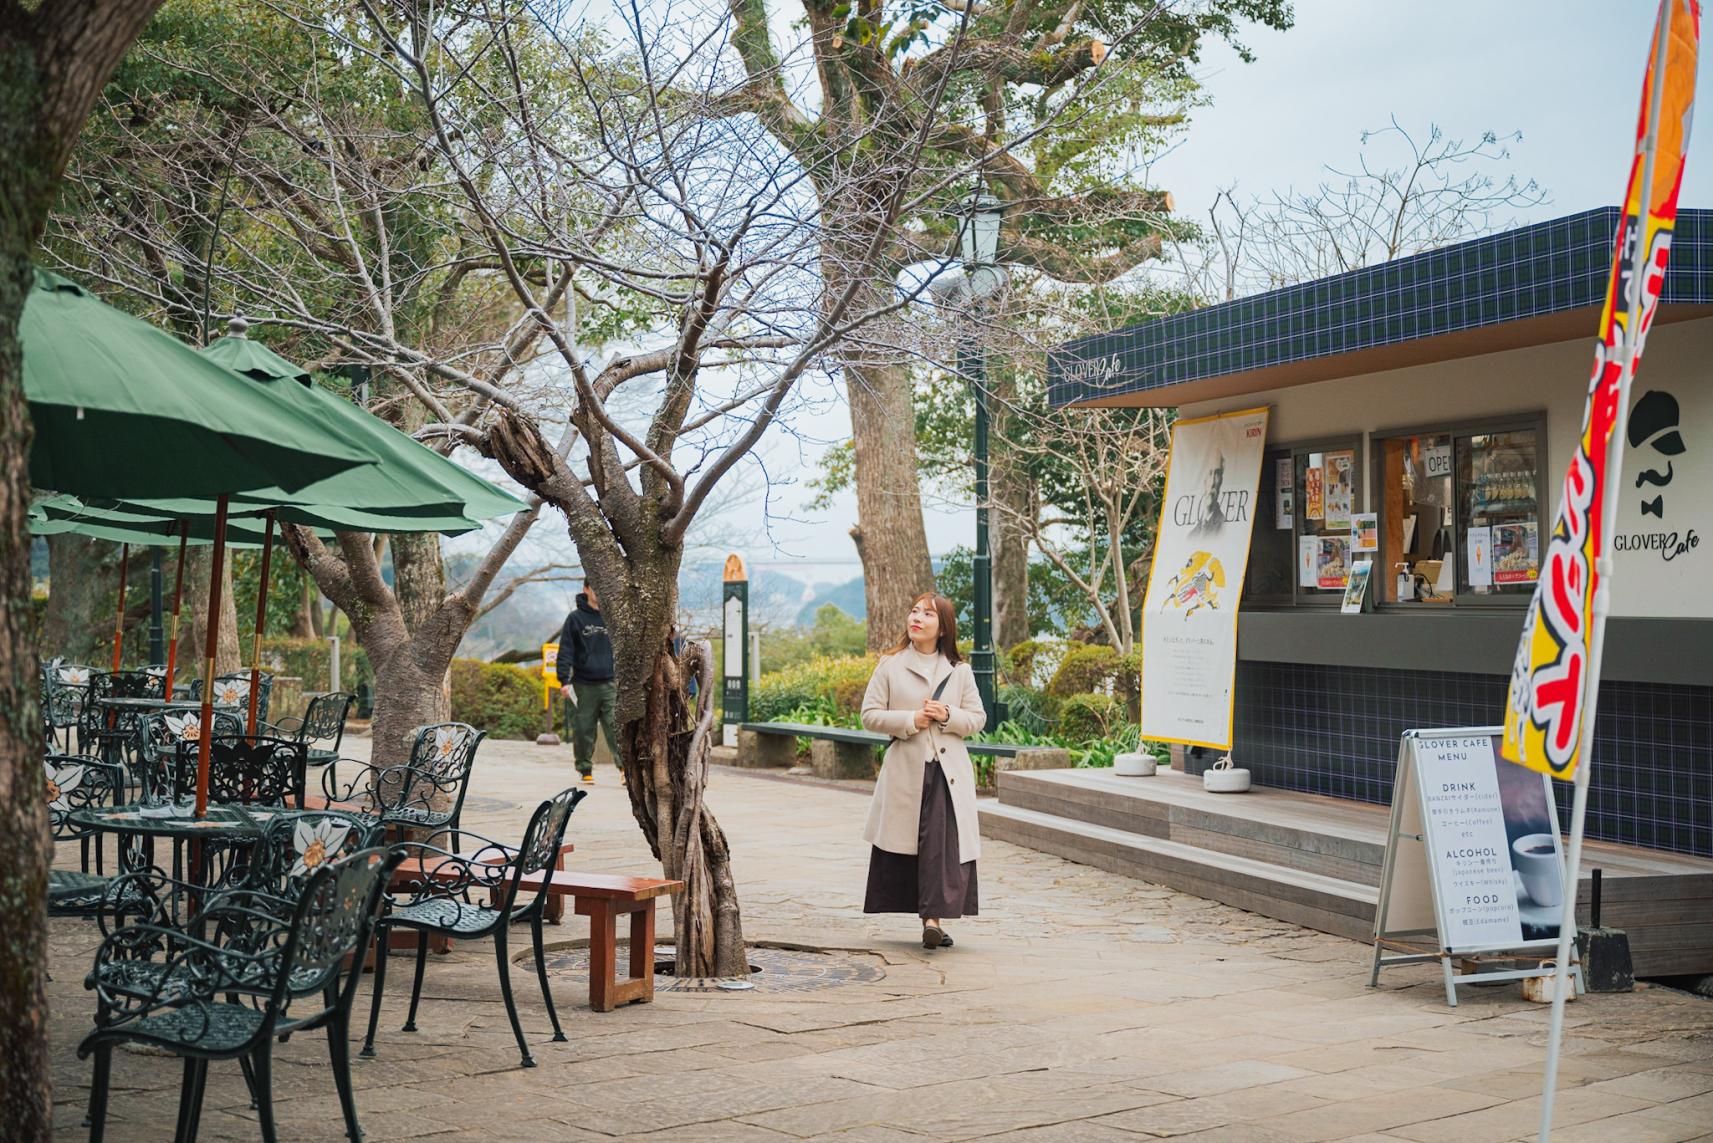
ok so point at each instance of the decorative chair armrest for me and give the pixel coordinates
(358, 789)
(280, 729)
(429, 872)
(194, 969)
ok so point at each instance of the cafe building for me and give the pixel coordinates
(1444, 393)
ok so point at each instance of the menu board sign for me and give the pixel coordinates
(1490, 834)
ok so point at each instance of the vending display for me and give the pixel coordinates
(1499, 499)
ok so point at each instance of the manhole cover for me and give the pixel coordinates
(771, 971)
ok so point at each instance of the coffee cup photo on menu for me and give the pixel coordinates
(1537, 862)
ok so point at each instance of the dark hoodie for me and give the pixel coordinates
(584, 647)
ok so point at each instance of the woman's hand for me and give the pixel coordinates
(936, 711)
(922, 719)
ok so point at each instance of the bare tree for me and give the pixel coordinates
(1415, 192)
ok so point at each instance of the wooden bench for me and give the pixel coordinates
(603, 898)
(845, 752)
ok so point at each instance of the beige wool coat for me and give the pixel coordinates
(895, 693)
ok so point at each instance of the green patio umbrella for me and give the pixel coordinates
(122, 409)
(408, 480)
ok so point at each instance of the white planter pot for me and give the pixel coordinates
(1228, 781)
(1134, 765)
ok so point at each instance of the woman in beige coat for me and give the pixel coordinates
(922, 821)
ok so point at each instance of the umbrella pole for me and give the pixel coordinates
(119, 616)
(261, 619)
(177, 606)
(211, 647)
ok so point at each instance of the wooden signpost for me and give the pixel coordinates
(1474, 865)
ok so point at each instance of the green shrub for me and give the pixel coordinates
(500, 698)
(308, 659)
(1092, 717)
(1095, 667)
(839, 682)
(1020, 661)
(1030, 710)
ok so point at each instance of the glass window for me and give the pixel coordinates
(1417, 557)
(1300, 549)
(1459, 515)
(1497, 497)
(1326, 489)
(1271, 544)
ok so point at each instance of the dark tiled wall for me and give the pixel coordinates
(1334, 730)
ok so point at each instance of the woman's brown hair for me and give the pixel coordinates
(947, 644)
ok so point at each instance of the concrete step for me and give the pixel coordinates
(1330, 904)
(1337, 839)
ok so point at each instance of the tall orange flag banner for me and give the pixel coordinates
(1553, 675)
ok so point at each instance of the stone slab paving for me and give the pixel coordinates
(1080, 1005)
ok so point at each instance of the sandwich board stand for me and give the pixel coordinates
(1474, 866)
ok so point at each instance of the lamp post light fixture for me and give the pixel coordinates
(978, 234)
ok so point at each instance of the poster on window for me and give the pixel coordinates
(1284, 489)
(1516, 553)
(1365, 531)
(1339, 489)
(1314, 488)
(1189, 621)
(1332, 562)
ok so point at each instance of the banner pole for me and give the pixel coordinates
(1635, 312)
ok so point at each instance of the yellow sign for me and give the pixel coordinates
(549, 672)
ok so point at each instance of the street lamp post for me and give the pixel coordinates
(983, 277)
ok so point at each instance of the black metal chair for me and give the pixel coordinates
(321, 729)
(73, 783)
(107, 733)
(165, 742)
(435, 902)
(65, 686)
(234, 690)
(229, 994)
(260, 770)
(424, 794)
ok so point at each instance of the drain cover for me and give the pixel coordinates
(771, 971)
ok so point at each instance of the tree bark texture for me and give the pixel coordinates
(55, 59)
(891, 538)
(193, 627)
(83, 576)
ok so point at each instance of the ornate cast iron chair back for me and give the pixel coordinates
(108, 732)
(164, 757)
(234, 690)
(263, 770)
(437, 775)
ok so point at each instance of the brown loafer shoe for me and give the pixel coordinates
(933, 936)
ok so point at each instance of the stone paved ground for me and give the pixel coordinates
(1080, 1006)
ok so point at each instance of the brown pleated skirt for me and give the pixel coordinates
(931, 882)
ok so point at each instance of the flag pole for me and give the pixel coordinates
(1634, 309)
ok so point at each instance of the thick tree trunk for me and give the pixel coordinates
(408, 694)
(55, 59)
(890, 536)
(82, 578)
(664, 756)
(665, 751)
(305, 625)
(193, 628)
(25, 851)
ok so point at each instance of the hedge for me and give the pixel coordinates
(835, 683)
(500, 698)
(308, 659)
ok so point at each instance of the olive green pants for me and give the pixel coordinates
(594, 709)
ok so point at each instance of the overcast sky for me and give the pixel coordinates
(1565, 73)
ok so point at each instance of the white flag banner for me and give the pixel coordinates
(1201, 552)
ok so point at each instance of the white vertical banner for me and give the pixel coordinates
(1201, 552)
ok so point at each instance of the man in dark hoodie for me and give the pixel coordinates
(586, 660)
